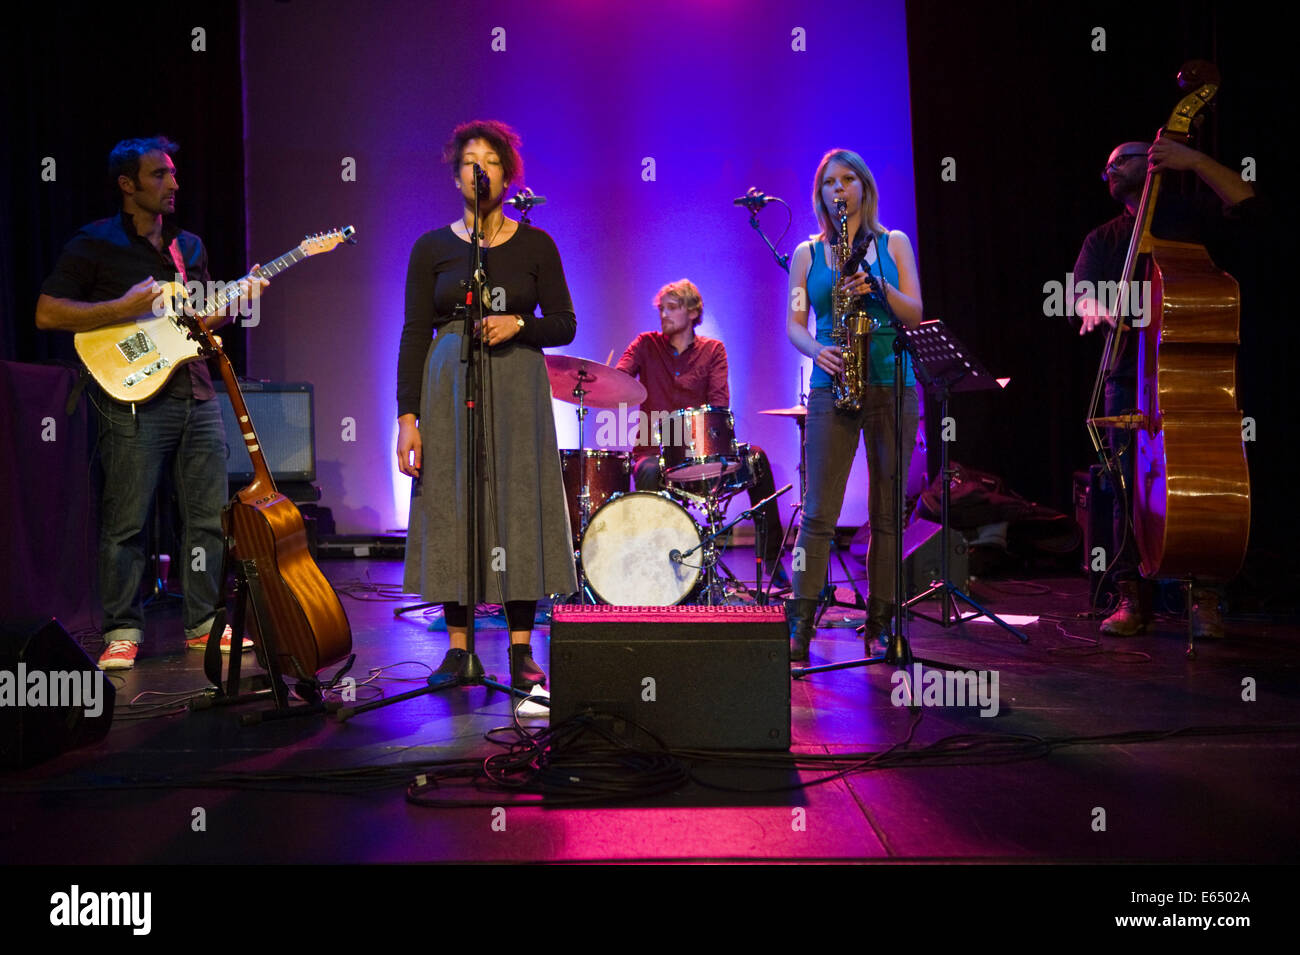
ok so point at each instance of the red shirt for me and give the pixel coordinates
(697, 376)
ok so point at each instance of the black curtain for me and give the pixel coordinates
(79, 78)
(1016, 96)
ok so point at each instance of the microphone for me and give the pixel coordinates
(753, 200)
(525, 200)
(480, 178)
(675, 556)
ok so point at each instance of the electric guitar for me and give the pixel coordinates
(133, 360)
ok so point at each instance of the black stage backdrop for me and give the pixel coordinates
(80, 77)
(1029, 111)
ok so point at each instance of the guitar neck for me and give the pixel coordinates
(231, 292)
(262, 482)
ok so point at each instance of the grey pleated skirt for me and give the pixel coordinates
(526, 549)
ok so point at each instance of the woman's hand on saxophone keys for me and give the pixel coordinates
(829, 360)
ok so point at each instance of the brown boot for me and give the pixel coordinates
(1207, 617)
(880, 617)
(1133, 614)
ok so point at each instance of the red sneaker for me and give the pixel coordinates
(200, 643)
(119, 655)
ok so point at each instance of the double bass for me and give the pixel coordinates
(1191, 488)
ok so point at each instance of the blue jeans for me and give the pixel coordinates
(832, 445)
(133, 450)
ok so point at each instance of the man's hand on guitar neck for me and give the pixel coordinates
(250, 288)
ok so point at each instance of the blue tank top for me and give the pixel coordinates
(881, 357)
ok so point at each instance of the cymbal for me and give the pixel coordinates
(604, 386)
(798, 411)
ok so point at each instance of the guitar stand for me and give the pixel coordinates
(249, 594)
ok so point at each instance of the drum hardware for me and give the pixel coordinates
(606, 388)
(715, 583)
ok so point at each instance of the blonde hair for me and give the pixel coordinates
(870, 194)
(684, 291)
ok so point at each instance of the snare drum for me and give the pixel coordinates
(625, 551)
(739, 476)
(696, 444)
(608, 473)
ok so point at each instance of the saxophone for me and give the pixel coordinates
(851, 325)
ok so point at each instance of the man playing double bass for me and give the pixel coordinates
(1208, 220)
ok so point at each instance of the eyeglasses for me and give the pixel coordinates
(1115, 164)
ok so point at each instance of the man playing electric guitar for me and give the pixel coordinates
(109, 273)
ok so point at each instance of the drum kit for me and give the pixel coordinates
(645, 548)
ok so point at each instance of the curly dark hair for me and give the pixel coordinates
(503, 139)
(124, 160)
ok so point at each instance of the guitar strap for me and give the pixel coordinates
(175, 250)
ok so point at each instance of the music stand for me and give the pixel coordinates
(949, 366)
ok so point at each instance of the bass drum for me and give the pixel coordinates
(626, 546)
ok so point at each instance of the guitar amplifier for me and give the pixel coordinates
(1094, 510)
(283, 414)
(694, 677)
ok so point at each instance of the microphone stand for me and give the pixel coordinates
(754, 204)
(475, 357)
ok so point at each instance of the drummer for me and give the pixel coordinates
(681, 369)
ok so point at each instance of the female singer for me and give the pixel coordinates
(526, 549)
(832, 435)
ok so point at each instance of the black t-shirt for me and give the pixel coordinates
(104, 259)
(1202, 219)
(527, 270)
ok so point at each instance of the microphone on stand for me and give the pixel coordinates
(675, 556)
(753, 200)
(525, 200)
(482, 186)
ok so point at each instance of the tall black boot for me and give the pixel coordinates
(524, 671)
(799, 614)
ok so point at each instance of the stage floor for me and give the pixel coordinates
(1103, 787)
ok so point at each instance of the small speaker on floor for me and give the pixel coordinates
(52, 696)
(695, 677)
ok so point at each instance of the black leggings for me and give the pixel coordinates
(519, 614)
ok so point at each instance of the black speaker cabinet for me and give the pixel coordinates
(52, 696)
(695, 677)
(922, 555)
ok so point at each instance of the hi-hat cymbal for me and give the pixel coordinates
(603, 386)
(798, 411)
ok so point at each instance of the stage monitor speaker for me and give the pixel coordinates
(921, 557)
(283, 415)
(695, 677)
(52, 695)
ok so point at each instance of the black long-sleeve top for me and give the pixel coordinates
(526, 268)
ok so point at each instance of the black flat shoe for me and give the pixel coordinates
(524, 671)
(452, 669)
